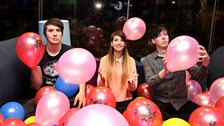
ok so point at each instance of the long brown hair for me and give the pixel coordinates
(111, 59)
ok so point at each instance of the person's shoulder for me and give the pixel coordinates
(66, 46)
(150, 55)
(104, 58)
(132, 59)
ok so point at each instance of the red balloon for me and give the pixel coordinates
(43, 91)
(13, 122)
(30, 49)
(101, 95)
(220, 104)
(143, 112)
(1, 119)
(89, 87)
(33, 124)
(144, 91)
(206, 116)
(65, 118)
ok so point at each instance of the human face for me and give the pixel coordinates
(118, 44)
(53, 34)
(162, 40)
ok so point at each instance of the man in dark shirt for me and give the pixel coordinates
(45, 74)
(168, 89)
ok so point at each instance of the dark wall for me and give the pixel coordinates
(216, 66)
(14, 75)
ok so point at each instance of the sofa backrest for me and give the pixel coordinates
(14, 75)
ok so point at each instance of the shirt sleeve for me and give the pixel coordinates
(133, 76)
(151, 77)
(101, 70)
(198, 72)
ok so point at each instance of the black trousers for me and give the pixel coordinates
(122, 106)
(168, 111)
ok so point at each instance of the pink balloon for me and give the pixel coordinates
(217, 89)
(97, 115)
(76, 66)
(206, 116)
(202, 99)
(182, 53)
(51, 108)
(193, 89)
(134, 28)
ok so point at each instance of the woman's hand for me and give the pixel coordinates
(133, 82)
(132, 79)
(100, 72)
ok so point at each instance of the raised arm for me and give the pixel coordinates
(133, 77)
(101, 78)
(36, 77)
(154, 74)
